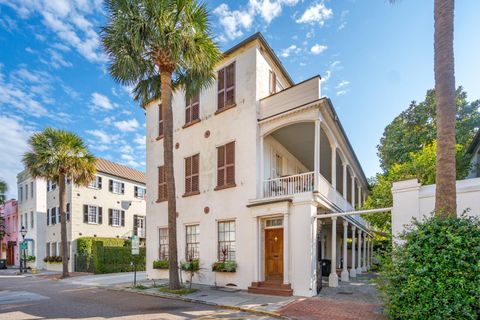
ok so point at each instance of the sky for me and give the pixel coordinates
(374, 58)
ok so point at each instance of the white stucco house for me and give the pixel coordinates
(112, 206)
(258, 160)
(412, 200)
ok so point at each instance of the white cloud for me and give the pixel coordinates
(127, 125)
(101, 135)
(71, 21)
(293, 49)
(140, 140)
(99, 101)
(316, 14)
(318, 48)
(342, 84)
(235, 22)
(14, 144)
(343, 20)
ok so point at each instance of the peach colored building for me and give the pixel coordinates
(9, 244)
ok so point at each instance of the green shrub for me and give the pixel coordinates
(116, 259)
(227, 266)
(435, 273)
(85, 244)
(193, 265)
(181, 291)
(160, 264)
(31, 258)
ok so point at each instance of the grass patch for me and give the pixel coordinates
(141, 287)
(181, 291)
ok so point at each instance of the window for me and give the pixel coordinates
(162, 184)
(116, 217)
(24, 220)
(31, 189)
(226, 166)
(226, 87)
(53, 248)
(139, 192)
(139, 226)
(26, 191)
(193, 242)
(226, 240)
(51, 185)
(271, 223)
(47, 247)
(58, 214)
(20, 194)
(192, 175)
(92, 214)
(96, 183)
(160, 122)
(116, 187)
(277, 165)
(48, 217)
(163, 243)
(192, 109)
(31, 220)
(53, 216)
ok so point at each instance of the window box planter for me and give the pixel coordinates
(192, 266)
(53, 259)
(224, 266)
(160, 264)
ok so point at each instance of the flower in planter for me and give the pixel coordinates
(191, 265)
(160, 264)
(31, 259)
(224, 266)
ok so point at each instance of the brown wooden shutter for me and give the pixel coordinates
(85, 213)
(220, 166)
(99, 180)
(196, 173)
(230, 163)
(221, 89)
(188, 175)
(110, 217)
(162, 184)
(230, 85)
(122, 217)
(110, 185)
(160, 121)
(188, 113)
(195, 109)
(192, 174)
(99, 215)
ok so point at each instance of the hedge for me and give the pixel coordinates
(435, 273)
(85, 244)
(116, 259)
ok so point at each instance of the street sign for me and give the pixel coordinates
(24, 245)
(135, 245)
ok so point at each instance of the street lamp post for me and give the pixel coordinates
(23, 266)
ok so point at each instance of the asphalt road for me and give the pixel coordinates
(39, 298)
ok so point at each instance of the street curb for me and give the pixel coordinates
(178, 297)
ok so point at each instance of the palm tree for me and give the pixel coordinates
(59, 155)
(3, 191)
(159, 46)
(444, 65)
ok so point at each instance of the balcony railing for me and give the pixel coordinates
(289, 185)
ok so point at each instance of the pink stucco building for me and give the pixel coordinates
(9, 245)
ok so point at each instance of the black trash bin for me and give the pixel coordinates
(326, 267)
(3, 263)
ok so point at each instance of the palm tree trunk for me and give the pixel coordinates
(166, 82)
(63, 225)
(445, 197)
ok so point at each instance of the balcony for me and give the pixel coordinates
(290, 98)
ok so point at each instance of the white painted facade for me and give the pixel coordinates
(289, 125)
(412, 200)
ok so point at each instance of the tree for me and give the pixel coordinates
(3, 191)
(159, 46)
(3, 227)
(417, 125)
(59, 155)
(444, 65)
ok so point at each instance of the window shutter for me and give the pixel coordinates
(99, 182)
(48, 217)
(188, 175)
(123, 188)
(110, 185)
(160, 121)
(230, 83)
(196, 107)
(68, 212)
(135, 224)
(59, 215)
(188, 109)
(85, 213)
(110, 217)
(162, 184)
(220, 166)
(123, 218)
(99, 215)
(53, 215)
(230, 162)
(221, 89)
(195, 173)
(135, 191)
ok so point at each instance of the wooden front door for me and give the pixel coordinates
(10, 255)
(274, 254)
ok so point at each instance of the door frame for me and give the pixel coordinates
(264, 244)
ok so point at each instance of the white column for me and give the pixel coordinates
(371, 252)
(353, 192)
(368, 253)
(334, 167)
(359, 256)
(333, 278)
(256, 256)
(353, 270)
(316, 165)
(344, 167)
(344, 275)
(364, 264)
(262, 163)
(286, 251)
(359, 192)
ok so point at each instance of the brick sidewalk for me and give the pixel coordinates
(325, 308)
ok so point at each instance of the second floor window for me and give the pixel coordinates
(192, 109)
(53, 216)
(26, 191)
(116, 187)
(160, 122)
(116, 217)
(226, 166)
(31, 189)
(139, 192)
(163, 243)
(226, 87)
(192, 165)
(32, 223)
(92, 214)
(162, 184)
(96, 183)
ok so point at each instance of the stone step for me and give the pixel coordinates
(271, 288)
